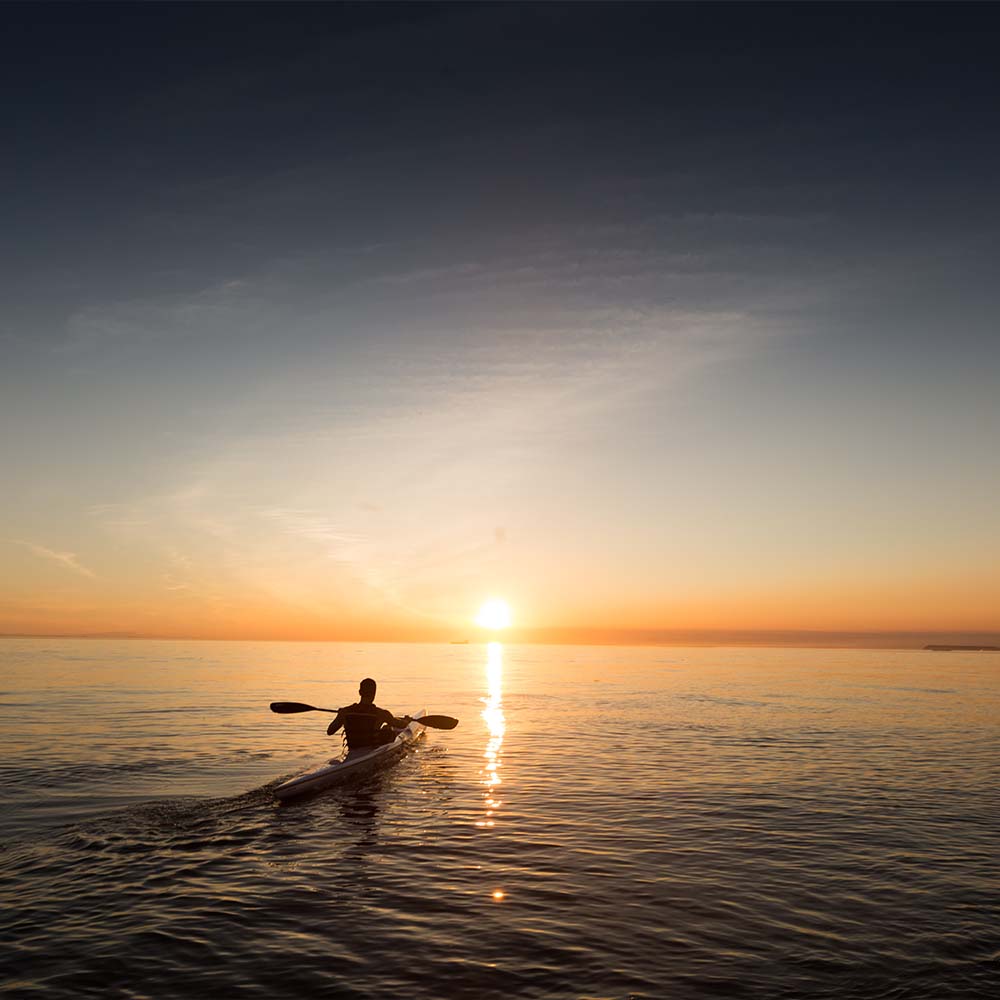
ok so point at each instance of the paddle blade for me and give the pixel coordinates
(437, 721)
(291, 707)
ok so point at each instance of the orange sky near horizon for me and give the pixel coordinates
(66, 601)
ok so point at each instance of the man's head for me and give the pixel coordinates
(367, 690)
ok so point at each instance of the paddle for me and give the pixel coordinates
(293, 707)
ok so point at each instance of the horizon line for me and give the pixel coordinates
(802, 638)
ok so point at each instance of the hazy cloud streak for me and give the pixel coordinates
(66, 559)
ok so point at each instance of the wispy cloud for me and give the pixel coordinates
(118, 515)
(222, 306)
(309, 525)
(65, 559)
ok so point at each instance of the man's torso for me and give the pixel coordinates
(362, 723)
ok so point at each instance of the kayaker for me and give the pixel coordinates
(364, 723)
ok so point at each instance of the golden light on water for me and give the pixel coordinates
(494, 614)
(495, 725)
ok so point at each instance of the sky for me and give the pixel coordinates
(331, 322)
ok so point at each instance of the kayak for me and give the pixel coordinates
(354, 764)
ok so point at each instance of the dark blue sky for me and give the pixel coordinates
(274, 129)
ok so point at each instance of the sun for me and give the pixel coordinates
(494, 614)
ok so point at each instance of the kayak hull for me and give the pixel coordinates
(356, 764)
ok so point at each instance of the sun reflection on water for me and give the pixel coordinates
(495, 725)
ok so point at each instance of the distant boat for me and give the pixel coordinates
(460, 642)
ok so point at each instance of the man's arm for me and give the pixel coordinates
(338, 721)
(389, 718)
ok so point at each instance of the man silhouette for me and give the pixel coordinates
(364, 723)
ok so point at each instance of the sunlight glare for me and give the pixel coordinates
(494, 614)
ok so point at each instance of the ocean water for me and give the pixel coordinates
(604, 823)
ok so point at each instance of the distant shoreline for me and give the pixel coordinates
(968, 649)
